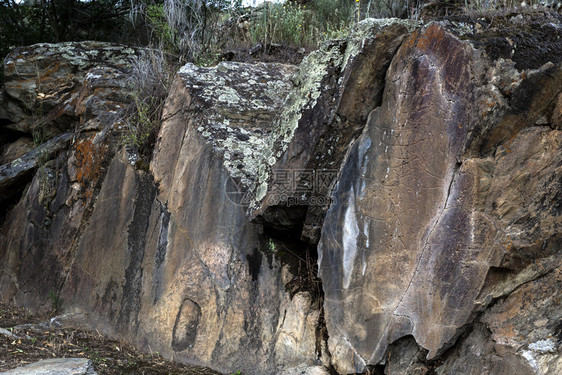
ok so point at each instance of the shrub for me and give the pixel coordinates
(386, 8)
(301, 25)
(189, 29)
(148, 88)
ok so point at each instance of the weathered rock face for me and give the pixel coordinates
(336, 88)
(64, 90)
(429, 209)
(47, 86)
(438, 226)
(184, 271)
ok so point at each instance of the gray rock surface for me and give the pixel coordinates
(47, 86)
(56, 366)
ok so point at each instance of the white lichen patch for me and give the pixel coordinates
(229, 96)
(92, 76)
(530, 357)
(238, 104)
(543, 346)
(537, 352)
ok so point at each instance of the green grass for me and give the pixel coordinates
(301, 25)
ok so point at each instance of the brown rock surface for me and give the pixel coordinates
(416, 231)
(440, 251)
(16, 149)
(182, 271)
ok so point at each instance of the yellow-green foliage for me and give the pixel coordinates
(279, 23)
(156, 18)
(141, 125)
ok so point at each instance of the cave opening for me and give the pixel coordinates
(283, 239)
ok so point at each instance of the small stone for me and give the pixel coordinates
(56, 366)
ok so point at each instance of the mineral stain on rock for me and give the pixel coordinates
(130, 305)
(185, 327)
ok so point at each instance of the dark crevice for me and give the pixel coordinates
(286, 220)
(8, 135)
(285, 243)
(301, 259)
(6, 205)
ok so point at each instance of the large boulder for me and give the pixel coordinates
(448, 197)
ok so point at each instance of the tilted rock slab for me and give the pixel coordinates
(423, 216)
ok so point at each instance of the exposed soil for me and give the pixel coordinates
(38, 339)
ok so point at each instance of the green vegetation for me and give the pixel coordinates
(301, 25)
(202, 30)
(148, 87)
(52, 21)
(55, 301)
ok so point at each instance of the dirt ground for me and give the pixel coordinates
(37, 339)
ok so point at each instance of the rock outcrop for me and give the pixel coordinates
(391, 204)
(47, 86)
(61, 91)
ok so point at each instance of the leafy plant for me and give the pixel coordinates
(55, 301)
(163, 32)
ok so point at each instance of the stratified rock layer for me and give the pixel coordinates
(47, 86)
